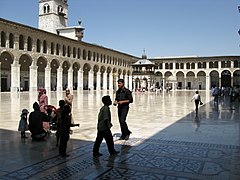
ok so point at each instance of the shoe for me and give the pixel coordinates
(121, 138)
(115, 153)
(127, 136)
(65, 155)
(97, 154)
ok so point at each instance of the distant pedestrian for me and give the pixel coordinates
(197, 100)
(103, 128)
(58, 120)
(23, 124)
(123, 99)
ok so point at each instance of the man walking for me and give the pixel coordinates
(123, 99)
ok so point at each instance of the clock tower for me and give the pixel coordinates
(53, 15)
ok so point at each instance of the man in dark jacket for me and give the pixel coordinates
(123, 99)
(36, 123)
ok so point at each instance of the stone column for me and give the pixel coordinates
(130, 79)
(33, 75)
(111, 81)
(90, 80)
(98, 81)
(70, 79)
(59, 79)
(104, 81)
(15, 76)
(48, 78)
(132, 83)
(207, 82)
(121, 76)
(80, 79)
(149, 85)
(126, 80)
(219, 80)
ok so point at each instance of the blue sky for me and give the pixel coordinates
(161, 27)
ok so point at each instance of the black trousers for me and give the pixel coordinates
(64, 137)
(107, 135)
(196, 104)
(122, 116)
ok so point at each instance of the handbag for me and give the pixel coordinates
(201, 103)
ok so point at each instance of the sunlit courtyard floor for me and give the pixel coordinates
(169, 140)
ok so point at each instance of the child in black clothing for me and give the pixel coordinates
(103, 127)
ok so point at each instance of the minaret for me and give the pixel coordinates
(53, 15)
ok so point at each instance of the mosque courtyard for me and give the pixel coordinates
(168, 141)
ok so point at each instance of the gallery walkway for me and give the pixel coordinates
(169, 140)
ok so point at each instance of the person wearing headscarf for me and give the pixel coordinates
(42, 99)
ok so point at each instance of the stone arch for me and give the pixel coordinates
(75, 67)
(201, 80)
(214, 78)
(190, 78)
(180, 80)
(159, 79)
(65, 66)
(225, 78)
(236, 78)
(54, 66)
(25, 61)
(95, 72)
(41, 64)
(6, 60)
(86, 69)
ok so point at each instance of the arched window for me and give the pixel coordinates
(181, 66)
(177, 65)
(52, 48)
(171, 65)
(192, 65)
(84, 54)
(44, 46)
(29, 44)
(210, 64)
(64, 50)
(215, 64)
(79, 53)
(199, 65)
(74, 52)
(21, 42)
(89, 55)
(204, 64)
(188, 65)
(3, 39)
(38, 45)
(69, 51)
(166, 66)
(57, 49)
(46, 8)
(11, 40)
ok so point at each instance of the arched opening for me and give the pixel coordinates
(41, 63)
(236, 78)
(190, 77)
(214, 79)
(76, 68)
(6, 60)
(180, 80)
(65, 67)
(54, 66)
(86, 69)
(226, 78)
(25, 61)
(201, 80)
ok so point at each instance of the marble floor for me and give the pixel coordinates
(169, 140)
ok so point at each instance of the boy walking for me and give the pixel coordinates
(103, 127)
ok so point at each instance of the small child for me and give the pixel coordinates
(23, 124)
(103, 127)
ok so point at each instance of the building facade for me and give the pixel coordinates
(55, 57)
(187, 72)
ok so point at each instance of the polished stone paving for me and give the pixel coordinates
(169, 140)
